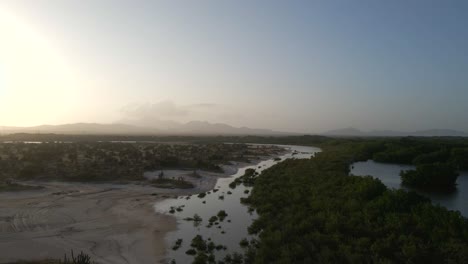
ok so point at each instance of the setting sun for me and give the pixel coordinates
(35, 79)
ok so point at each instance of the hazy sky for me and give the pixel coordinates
(304, 66)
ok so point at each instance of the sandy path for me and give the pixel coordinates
(114, 224)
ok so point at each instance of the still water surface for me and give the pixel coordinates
(389, 174)
(234, 228)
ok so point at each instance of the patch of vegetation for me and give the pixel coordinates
(248, 179)
(191, 252)
(173, 209)
(81, 258)
(222, 215)
(195, 218)
(177, 244)
(7, 186)
(233, 185)
(199, 243)
(213, 219)
(203, 250)
(244, 243)
(171, 184)
(436, 176)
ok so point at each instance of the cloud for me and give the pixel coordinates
(202, 105)
(165, 110)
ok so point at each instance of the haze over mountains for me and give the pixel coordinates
(160, 128)
(391, 133)
(207, 128)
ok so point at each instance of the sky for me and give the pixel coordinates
(298, 66)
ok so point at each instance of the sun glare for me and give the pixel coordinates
(34, 78)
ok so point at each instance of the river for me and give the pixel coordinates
(234, 228)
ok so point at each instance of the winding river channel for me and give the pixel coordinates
(233, 228)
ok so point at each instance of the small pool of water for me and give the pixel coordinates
(389, 174)
(234, 227)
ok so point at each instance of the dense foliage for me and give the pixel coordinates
(435, 176)
(172, 183)
(311, 211)
(423, 151)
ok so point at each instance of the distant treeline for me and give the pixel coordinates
(423, 151)
(298, 140)
(104, 161)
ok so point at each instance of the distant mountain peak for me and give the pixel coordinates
(345, 131)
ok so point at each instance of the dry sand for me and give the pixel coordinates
(112, 223)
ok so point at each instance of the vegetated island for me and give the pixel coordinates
(432, 177)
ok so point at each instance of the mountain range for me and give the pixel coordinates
(207, 128)
(391, 133)
(190, 128)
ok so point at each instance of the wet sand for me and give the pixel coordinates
(206, 180)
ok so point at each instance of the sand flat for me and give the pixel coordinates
(112, 223)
